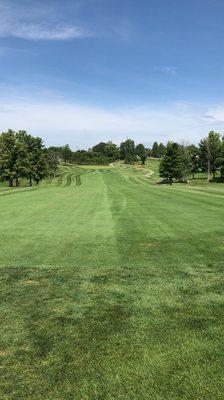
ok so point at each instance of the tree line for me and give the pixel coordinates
(181, 161)
(24, 156)
(104, 153)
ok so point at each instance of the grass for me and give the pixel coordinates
(112, 287)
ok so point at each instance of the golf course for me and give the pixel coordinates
(112, 286)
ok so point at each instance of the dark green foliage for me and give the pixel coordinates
(171, 166)
(162, 149)
(104, 153)
(190, 156)
(21, 156)
(52, 161)
(140, 151)
(66, 153)
(8, 156)
(99, 148)
(111, 151)
(127, 151)
(194, 155)
(100, 154)
(189, 160)
(158, 150)
(209, 154)
(36, 169)
(187, 163)
(155, 150)
(84, 157)
(221, 158)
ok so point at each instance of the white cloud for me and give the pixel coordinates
(168, 70)
(38, 32)
(217, 113)
(59, 122)
(36, 23)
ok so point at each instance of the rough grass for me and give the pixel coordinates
(112, 288)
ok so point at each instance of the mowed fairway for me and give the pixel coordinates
(111, 288)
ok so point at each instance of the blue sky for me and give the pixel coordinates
(83, 71)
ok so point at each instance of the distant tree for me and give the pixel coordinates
(171, 165)
(81, 157)
(187, 162)
(99, 148)
(21, 156)
(148, 152)
(111, 151)
(66, 153)
(161, 150)
(127, 151)
(209, 154)
(155, 152)
(8, 156)
(140, 151)
(36, 159)
(56, 149)
(221, 158)
(103, 153)
(194, 154)
(52, 161)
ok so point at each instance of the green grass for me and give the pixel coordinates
(112, 287)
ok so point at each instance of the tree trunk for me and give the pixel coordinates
(17, 182)
(222, 173)
(30, 181)
(193, 175)
(171, 181)
(209, 171)
(10, 182)
(208, 162)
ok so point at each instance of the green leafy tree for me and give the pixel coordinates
(22, 159)
(127, 151)
(21, 156)
(209, 154)
(52, 161)
(161, 149)
(155, 150)
(38, 160)
(194, 154)
(111, 151)
(34, 165)
(103, 153)
(8, 156)
(221, 158)
(187, 162)
(66, 153)
(99, 148)
(140, 151)
(171, 165)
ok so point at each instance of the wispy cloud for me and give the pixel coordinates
(58, 121)
(217, 113)
(33, 24)
(168, 70)
(39, 32)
